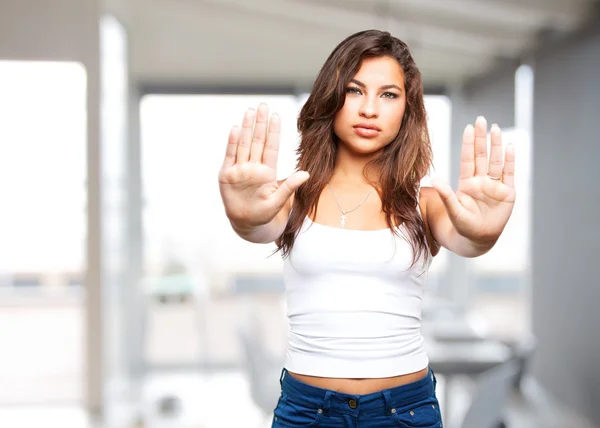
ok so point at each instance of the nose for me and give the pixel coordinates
(369, 108)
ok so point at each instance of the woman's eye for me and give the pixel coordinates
(352, 90)
(389, 95)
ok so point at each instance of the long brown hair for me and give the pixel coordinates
(403, 162)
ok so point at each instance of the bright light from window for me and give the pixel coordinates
(42, 166)
(184, 140)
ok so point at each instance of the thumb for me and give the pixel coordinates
(453, 206)
(289, 186)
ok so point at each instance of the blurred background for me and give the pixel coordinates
(127, 301)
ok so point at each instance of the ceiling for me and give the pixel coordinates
(283, 43)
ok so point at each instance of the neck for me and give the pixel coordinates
(349, 169)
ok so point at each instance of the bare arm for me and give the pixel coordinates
(256, 204)
(470, 221)
(266, 233)
(444, 234)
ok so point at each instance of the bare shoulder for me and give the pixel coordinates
(426, 193)
(428, 198)
(429, 202)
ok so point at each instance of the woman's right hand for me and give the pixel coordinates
(251, 194)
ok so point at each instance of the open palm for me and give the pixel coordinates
(485, 197)
(251, 194)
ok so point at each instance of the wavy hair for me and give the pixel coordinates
(402, 163)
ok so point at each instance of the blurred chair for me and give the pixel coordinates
(522, 350)
(262, 370)
(490, 397)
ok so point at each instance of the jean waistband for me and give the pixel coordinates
(394, 398)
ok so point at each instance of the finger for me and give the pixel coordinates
(289, 186)
(243, 148)
(232, 143)
(453, 206)
(260, 132)
(495, 166)
(467, 156)
(508, 174)
(481, 157)
(272, 145)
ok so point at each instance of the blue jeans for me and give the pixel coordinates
(413, 405)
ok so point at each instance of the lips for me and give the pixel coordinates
(366, 130)
(367, 126)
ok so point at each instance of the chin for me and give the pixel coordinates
(364, 146)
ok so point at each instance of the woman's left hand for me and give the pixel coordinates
(482, 205)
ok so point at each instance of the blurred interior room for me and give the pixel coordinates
(126, 300)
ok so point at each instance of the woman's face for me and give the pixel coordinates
(372, 113)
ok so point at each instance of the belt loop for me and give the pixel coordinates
(388, 401)
(327, 402)
(283, 373)
(433, 377)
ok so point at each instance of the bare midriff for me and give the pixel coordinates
(360, 386)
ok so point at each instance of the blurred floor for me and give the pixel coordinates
(42, 352)
(222, 400)
(41, 366)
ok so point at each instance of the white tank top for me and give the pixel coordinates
(354, 303)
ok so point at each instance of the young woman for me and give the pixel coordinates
(357, 233)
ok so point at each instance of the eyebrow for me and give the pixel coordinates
(362, 85)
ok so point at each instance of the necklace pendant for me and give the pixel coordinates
(342, 221)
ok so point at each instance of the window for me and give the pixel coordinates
(183, 145)
(42, 225)
(501, 277)
(184, 140)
